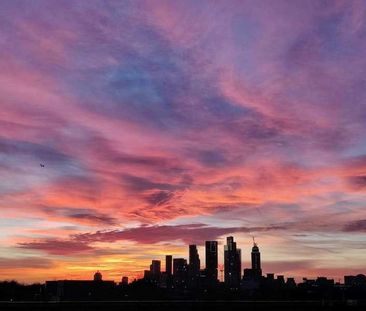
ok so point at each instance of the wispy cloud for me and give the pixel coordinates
(193, 233)
(57, 247)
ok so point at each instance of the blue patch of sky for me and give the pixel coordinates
(23, 160)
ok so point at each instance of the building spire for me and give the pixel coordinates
(254, 244)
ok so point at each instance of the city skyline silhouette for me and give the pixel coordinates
(132, 130)
(181, 279)
(232, 271)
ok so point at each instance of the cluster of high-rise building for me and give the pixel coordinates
(182, 274)
(184, 279)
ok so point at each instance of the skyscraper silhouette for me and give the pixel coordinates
(194, 260)
(168, 264)
(179, 266)
(180, 272)
(211, 261)
(155, 267)
(232, 263)
(256, 261)
(194, 266)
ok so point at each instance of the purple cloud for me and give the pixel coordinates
(28, 262)
(57, 247)
(355, 226)
(193, 233)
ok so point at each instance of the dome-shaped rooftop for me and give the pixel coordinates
(97, 276)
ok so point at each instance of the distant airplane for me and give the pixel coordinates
(41, 165)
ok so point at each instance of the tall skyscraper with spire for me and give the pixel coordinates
(256, 260)
(232, 264)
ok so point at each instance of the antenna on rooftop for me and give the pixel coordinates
(254, 243)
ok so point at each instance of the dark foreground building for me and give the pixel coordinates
(185, 306)
(79, 290)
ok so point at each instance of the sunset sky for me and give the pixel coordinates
(164, 123)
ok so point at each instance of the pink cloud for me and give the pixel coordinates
(194, 233)
(57, 247)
